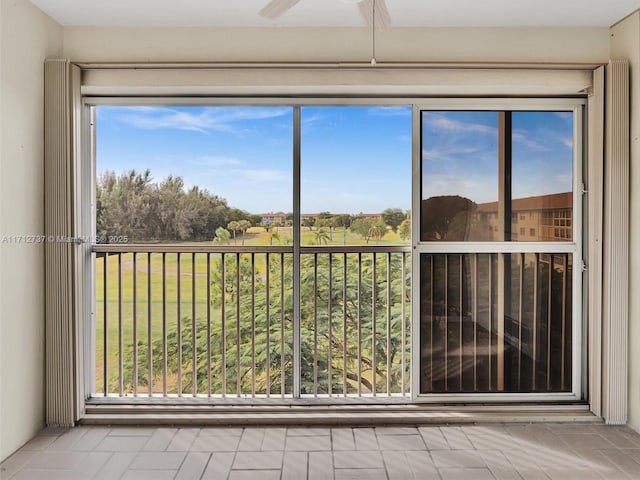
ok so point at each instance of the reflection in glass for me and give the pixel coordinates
(542, 176)
(459, 175)
(495, 323)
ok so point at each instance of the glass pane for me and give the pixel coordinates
(356, 175)
(194, 174)
(542, 176)
(459, 176)
(495, 323)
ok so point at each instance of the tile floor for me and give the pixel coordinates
(537, 451)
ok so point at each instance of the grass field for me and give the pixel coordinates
(153, 302)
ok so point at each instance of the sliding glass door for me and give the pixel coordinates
(498, 243)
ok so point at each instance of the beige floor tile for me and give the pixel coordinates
(68, 439)
(361, 474)
(342, 439)
(38, 443)
(457, 458)
(93, 463)
(505, 473)
(585, 440)
(533, 473)
(91, 439)
(359, 459)
(257, 461)
(215, 444)
(218, 467)
(149, 475)
(456, 438)
(183, 439)
(274, 439)
(251, 440)
(466, 474)
(397, 466)
(56, 460)
(254, 475)
(28, 474)
(115, 466)
(122, 444)
(160, 440)
(295, 465)
(157, 461)
(308, 444)
(320, 465)
(16, 462)
(401, 442)
(365, 439)
(132, 431)
(308, 432)
(433, 438)
(193, 466)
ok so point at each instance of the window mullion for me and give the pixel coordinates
(296, 251)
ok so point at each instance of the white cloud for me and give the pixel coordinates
(391, 111)
(521, 137)
(447, 153)
(202, 119)
(457, 126)
(260, 175)
(214, 161)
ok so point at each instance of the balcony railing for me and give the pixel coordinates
(218, 321)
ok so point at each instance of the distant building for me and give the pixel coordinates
(271, 218)
(533, 219)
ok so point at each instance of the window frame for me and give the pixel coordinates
(575, 247)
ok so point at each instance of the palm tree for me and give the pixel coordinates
(222, 236)
(274, 235)
(244, 225)
(234, 226)
(321, 236)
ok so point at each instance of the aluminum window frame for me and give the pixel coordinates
(419, 247)
(418, 104)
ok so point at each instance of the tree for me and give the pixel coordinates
(369, 228)
(133, 205)
(259, 323)
(244, 225)
(234, 226)
(362, 226)
(393, 217)
(404, 230)
(447, 217)
(321, 237)
(274, 235)
(223, 236)
(308, 222)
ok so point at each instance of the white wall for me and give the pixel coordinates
(625, 44)
(27, 37)
(90, 44)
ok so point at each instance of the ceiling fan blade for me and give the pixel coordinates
(383, 19)
(275, 8)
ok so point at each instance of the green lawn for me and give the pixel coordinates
(151, 311)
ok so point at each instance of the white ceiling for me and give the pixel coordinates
(339, 13)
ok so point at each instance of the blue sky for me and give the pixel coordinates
(354, 159)
(460, 154)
